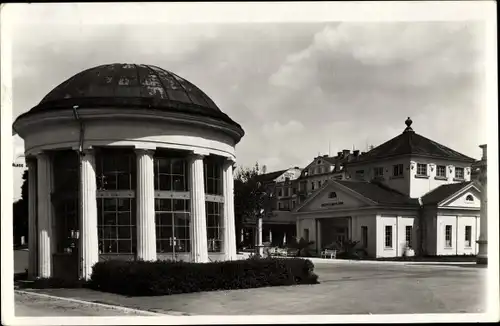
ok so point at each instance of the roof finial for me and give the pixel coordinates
(408, 123)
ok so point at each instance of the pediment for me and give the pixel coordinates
(469, 197)
(333, 197)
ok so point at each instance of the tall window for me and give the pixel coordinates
(319, 184)
(170, 174)
(172, 225)
(409, 235)
(215, 226)
(213, 179)
(65, 197)
(364, 236)
(421, 169)
(441, 171)
(378, 172)
(448, 236)
(468, 236)
(280, 192)
(388, 236)
(312, 185)
(116, 214)
(459, 173)
(116, 225)
(397, 170)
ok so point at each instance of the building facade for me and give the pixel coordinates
(128, 162)
(409, 192)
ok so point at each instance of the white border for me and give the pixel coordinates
(246, 12)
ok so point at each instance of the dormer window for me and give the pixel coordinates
(378, 172)
(469, 198)
(421, 169)
(319, 161)
(441, 171)
(459, 173)
(397, 170)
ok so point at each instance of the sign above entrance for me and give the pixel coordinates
(334, 203)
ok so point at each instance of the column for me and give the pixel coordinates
(146, 231)
(45, 211)
(88, 242)
(32, 218)
(482, 256)
(260, 246)
(198, 228)
(229, 222)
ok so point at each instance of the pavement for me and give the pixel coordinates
(345, 288)
(35, 305)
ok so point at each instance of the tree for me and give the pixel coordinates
(21, 211)
(252, 198)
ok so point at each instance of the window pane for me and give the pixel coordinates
(164, 205)
(124, 218)
(124, 204)
(165, 219)
(179, 205)
(178, 167)
(124, 232)
(123, 181)
(182, 232)
(178, 183)
(164, 165)
(124, 246)
(109, 204)
(109, 219)
(165, 182)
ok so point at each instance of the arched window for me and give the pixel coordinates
(469, 198)
(333, 194)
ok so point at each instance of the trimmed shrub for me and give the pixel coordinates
(141, 278)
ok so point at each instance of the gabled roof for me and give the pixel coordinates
(442, 192)
(377, 192)
(373, 193)
(411, 143)
(268, 177)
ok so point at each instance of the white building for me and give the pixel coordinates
(128, 162)
(409, 191)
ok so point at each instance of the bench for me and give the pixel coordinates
(328, 253)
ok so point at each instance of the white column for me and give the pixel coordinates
(146, 231)
(270, 236)
(229, 222)
(45, 211)
(260, 247)
(32, 218)
(198, 228)
(482, 256)
(88, 242)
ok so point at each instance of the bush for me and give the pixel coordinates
(141, 278)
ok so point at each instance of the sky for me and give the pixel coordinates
(297, 89)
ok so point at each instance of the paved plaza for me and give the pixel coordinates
(345, 288)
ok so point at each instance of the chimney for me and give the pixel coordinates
(483, 147)
(356, 153)
(346, 152)
(339, 154)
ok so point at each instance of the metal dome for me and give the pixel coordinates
(131, 86)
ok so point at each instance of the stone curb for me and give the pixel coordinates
(120, 308)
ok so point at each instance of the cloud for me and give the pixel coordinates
(297, 89)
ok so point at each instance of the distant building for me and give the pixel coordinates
(408, 192)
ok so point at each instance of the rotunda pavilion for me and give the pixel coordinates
(128, 162)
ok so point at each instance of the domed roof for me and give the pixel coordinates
(131, 85)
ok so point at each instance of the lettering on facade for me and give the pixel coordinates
(334, 203)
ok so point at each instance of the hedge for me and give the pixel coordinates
(141, 278)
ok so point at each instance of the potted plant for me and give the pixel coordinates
(408, 252)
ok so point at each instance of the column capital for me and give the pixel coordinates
(196, 156)
(144, 151)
